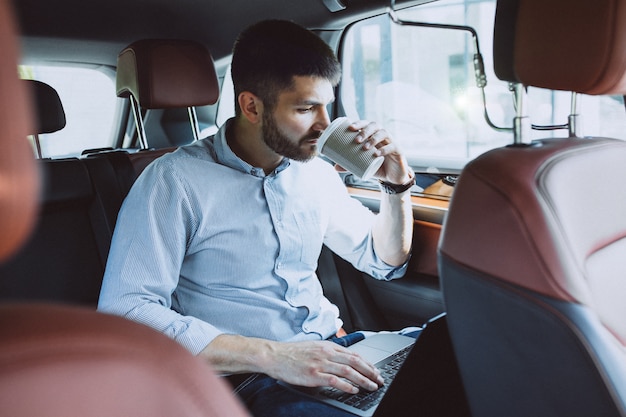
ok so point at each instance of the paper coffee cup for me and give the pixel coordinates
(337, 143)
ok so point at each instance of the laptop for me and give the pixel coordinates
(388, 352)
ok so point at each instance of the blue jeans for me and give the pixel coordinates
(265, 397)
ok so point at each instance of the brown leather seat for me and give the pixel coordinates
(19, 180)
(67, 361)
(532, 254)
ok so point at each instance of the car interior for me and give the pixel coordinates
(519, 232)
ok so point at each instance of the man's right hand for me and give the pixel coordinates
(311, 363)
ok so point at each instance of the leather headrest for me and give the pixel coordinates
(162, 73)
(572, 45)
(50, 114)
(504, 39)
(19, 182)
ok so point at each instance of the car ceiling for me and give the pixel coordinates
(95, 31)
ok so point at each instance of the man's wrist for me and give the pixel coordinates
(391, 188)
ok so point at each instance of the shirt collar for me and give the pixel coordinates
(227, 157)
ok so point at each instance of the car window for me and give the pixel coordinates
(600, 115)
(90, 104)
(419, 82)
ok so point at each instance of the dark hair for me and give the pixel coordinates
(268, 54)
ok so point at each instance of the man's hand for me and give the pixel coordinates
(312, 363)
(395, 169)
(323, 363)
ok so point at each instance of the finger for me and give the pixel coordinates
(386, 148)
(341, 384)
(365, 129)
(351, 382)
(366, 372)
(355, 369)
(376, 139)
(379, 139)
(358, 125)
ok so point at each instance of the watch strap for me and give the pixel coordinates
(391, 188)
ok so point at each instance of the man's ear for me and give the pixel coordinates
(251, 106)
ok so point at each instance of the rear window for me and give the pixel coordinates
(419, 83)
(90, 104)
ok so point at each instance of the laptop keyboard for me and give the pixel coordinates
(364, 400)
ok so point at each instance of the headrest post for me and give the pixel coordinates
(37, 146)
(574, 119)
(193, 119)
(521, 122)
(141, 132)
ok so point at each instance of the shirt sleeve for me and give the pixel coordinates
(349, 232)
(153, 229)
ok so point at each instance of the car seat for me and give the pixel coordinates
(63, 361)
(531, 256)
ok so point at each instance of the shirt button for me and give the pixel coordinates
(279, 265)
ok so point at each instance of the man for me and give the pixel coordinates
(217, 243)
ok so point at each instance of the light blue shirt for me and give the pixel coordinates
(206, 244)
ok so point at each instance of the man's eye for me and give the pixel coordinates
(305, 110)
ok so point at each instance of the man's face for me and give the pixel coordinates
(292, 127)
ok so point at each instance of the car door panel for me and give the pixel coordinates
(411, 300)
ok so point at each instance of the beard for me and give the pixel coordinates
(280, 143)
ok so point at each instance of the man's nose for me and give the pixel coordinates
(323, 119)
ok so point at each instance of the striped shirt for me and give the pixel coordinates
(207, 244)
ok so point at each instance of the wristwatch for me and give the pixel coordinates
(391, 188)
